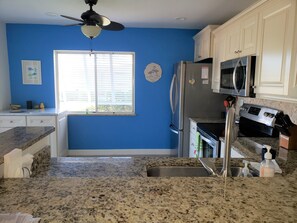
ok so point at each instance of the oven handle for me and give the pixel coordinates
(234, 75)
(206, 139)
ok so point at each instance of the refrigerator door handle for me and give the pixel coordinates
(172, 129)
(171, 91)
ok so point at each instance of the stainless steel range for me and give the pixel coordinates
(259, 121)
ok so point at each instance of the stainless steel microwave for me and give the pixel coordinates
(237, 76)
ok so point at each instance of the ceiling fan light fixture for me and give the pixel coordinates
(91, 31)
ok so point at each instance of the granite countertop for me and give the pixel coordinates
(251, 147)
(21, 138)
(45, 111)
(118, 190)
(208, 120)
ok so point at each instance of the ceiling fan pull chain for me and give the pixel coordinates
(91, 47)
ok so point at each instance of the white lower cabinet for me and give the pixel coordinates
(58, 139)
(234, 153)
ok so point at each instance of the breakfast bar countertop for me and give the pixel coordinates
(118, 190)
(21, 138)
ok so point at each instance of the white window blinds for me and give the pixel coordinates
(102, 82)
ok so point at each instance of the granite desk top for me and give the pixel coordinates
(118, 190)
(21, 138)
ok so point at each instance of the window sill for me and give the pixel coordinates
(99, 114)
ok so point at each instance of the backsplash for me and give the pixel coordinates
(286, 107)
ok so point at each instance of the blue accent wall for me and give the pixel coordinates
(150, 127)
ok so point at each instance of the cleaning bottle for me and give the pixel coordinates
(267, 167)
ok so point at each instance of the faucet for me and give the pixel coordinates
(229, 136)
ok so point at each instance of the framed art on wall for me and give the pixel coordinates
(31, 71)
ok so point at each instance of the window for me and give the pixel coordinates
(101, 82)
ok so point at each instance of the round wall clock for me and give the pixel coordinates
(153, 72)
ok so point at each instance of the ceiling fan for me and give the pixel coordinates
(92, 23)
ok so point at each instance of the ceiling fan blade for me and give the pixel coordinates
(76, 24)
(100, 19)
(72, 18)
(113, 26)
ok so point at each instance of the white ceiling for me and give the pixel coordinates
(131, 13)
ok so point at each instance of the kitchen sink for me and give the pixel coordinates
(177, 171)
(188, 171)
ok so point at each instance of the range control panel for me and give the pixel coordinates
(260, 114)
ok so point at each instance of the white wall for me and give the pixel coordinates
(5, 98)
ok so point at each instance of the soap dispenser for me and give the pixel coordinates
(267, 167)
(245, 171)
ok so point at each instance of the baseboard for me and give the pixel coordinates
(123, 152)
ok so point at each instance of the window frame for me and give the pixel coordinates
(57, 92)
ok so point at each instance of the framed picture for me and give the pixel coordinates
(31, 70)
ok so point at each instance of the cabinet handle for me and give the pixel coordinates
(236, 51)
(239, 51)
(199, 56)
(11, 121)
(41, 121)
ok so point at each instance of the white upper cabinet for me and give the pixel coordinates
(241, 37)
(203, 39)
(276, 57)
(218, 57)
(268, 29)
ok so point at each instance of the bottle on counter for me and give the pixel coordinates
(267, 167)
(245, 171)
(41, 106)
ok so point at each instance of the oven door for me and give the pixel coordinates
(209, 146)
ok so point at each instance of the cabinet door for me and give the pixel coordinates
(248, 32)
(205, 44)
(197, 50)
(62, 135)
(232, 41)
(12, 121)
(276, 41)
(218, 57)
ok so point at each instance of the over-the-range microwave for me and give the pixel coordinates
(237, 76)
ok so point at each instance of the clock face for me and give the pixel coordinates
(153, 72)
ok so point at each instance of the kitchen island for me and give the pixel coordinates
(118, 190)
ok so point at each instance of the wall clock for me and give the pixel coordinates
(153, 72)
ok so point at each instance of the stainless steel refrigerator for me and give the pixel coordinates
(191, 96)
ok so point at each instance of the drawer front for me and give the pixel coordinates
(12, 121)
(41, 121)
